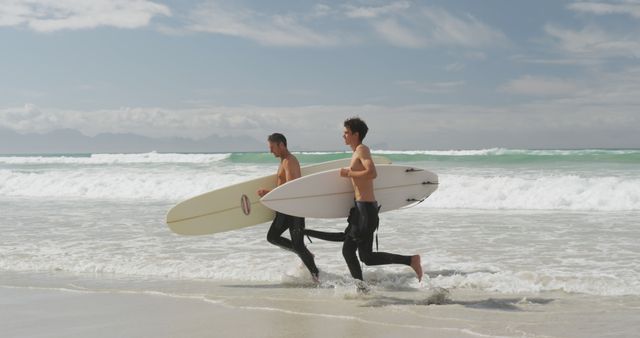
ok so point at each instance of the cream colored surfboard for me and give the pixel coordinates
(327, 195)
(236, 206)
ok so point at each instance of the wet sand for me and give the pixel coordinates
(203, 309)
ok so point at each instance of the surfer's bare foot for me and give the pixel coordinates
(417, 267)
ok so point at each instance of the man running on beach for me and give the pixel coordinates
(288, 170)
(363, 218)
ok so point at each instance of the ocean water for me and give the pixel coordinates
(505, 221)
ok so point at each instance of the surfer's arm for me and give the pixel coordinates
(369, 171)
(262, 192)
(291, 169)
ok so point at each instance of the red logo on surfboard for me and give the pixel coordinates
(245, 205)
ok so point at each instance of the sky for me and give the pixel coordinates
(444, 74)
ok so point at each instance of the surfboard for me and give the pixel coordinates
(235, 206)
(328, 195)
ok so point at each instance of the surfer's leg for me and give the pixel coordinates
(369, 220)
(349, 248)
(327, 236)
(368, 257)
(333, 236)
(296, 230)
(279, 225)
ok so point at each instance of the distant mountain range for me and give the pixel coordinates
(72, 141)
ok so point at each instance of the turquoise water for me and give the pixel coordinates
(491, 157)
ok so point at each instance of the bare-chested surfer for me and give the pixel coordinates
(289, 170)
(363, 218)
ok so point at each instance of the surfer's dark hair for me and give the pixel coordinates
(277, 138)
(356, 125)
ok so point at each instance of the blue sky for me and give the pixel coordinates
(423, 74)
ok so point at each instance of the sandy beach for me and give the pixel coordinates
(118, 308)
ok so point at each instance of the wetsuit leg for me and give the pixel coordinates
(369, 222)
(296, 230)
(279, 225)
(349, 248)
(327, 236)
(335, 236)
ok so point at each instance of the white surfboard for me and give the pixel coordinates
(327, 195)
(235, 206)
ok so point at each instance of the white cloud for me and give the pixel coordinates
(55, 15)
(454, 67)
(13, 13)
(593, 42)
(400, 23)
(431, 88)
(476, 56)
(628, 7)
(604, 104)
(464, 31)
(604, 110)
(274, 30)
(26, 119)
(559, 60)
(320, 10)
(615, 91)
(541, 86)
(398, 35)
(156, 122)
(427, 27)
(370, 12)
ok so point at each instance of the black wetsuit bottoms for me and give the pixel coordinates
(363, 222)
(359, 236)
(280, 224)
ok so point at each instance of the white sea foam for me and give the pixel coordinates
(104, 215)
(543, 192)
(526, 192)
(535, 282)
(441, 152)
(272, 266)
(505, 151)
(94, 159)
(505, 252)
(129, 183)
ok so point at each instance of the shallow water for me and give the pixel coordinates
(502, 221)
